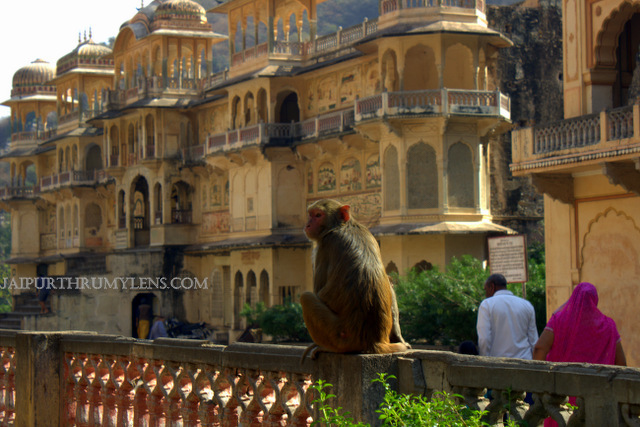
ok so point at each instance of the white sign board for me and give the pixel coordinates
(508, 256)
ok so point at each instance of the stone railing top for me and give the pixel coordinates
(249, 384)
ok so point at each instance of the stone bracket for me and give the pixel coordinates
(556, 186)
(625, 175)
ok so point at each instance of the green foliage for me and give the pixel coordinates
(402, 410)
(330, 416)
(283, 322)
(442, 307)
(253, 314)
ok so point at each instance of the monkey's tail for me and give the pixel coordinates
(307, 350)
(390, 347)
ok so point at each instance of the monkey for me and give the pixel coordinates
(353, 307)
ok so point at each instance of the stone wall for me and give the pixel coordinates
(530, 73)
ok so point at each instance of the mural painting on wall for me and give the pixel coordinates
(374, 176)
(311, 97)
(349, 83)
(310, 180)
(215, 222)
(366, 208)
(351, 175)
(204, 196)
(216, 195)
(326, 178)
(372, 85)
(51, 222)
(327, 94)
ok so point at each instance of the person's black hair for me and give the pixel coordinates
(468, 347)
(498, 280)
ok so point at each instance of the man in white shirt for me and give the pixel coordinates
(506, 323)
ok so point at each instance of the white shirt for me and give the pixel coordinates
(506, 326)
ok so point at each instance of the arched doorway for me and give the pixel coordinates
(141, 307)
(93, 158)
(288, 110)
(139, 211)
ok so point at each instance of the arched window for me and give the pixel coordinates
(460, 176)
(391, 179)
(422, 177)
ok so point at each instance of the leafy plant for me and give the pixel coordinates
(402, 410)
(283, 322)
(330, 416)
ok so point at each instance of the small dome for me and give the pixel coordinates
(87, 54)
(181, 9)
(91, 49)
(38, 73)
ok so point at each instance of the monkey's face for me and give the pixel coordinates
(315, 223)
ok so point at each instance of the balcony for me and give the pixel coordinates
(390, 6)
(32, 136)
(19, 192)
(260, 134)
(92, 379)
(391, 104)
(154, 87)
(591, 139)
(455, 102)
(301, 51)
(72, 178)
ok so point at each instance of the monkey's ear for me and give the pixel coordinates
(344, 212)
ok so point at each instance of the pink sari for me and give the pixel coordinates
(581, 333)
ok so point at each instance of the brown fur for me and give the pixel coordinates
(352, 307)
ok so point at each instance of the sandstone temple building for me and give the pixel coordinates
(140, 162)
(588, 165)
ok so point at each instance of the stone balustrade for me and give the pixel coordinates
(437, 101)
(19, 192)
(70, 178)
(596, 137)
(83, 379)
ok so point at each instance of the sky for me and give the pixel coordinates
(45, 29)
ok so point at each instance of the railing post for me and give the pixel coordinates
(351, 376)
(384, 99)
(445, 100)
(338, 36)
(37, 380)
(636, 120)
(604, 126)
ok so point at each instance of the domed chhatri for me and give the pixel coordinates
(33, 78)
(87, 54)
(182, 9)
(180, 14)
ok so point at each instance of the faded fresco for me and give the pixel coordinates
(349, 85)
(326, 178)
(372, 83)
(310, 180)
(351, 176)
(327, 93)
(366, 208)
(374, 175)
(215, 222)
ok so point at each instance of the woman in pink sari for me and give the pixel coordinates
(579, 332)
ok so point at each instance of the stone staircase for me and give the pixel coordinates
(24, 305)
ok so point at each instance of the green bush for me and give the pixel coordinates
(282, 322)
(441, 308)
(402, 410)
